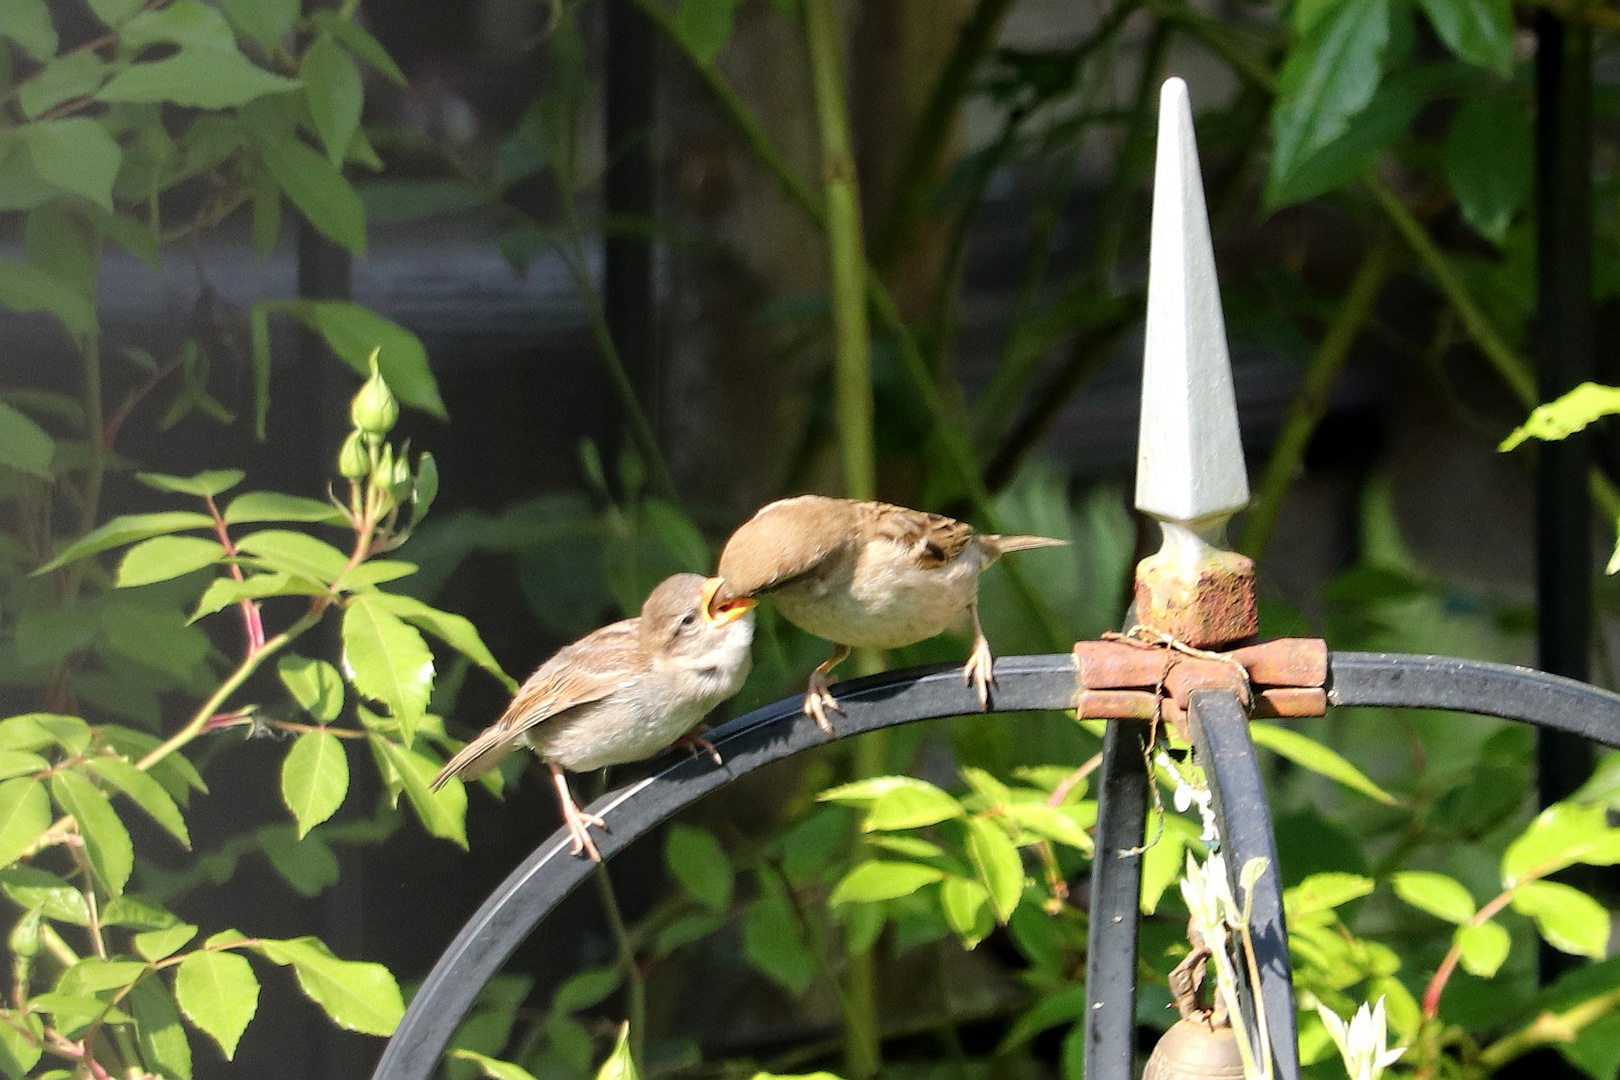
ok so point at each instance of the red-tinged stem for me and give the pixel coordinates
(252, 620)
(1448, 966)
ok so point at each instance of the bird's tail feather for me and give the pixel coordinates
(995, 546)
(476, 758)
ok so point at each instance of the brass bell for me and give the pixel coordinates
(1195, 1049)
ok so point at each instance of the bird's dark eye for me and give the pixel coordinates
(688, 619)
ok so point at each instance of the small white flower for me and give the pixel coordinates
(1363, 1044)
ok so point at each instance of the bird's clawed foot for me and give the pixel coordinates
(577, 821)
(693, 742)
(978, 670)
(819, 698)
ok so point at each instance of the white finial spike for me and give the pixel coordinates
(1189, 462)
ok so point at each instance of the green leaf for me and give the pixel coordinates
(878, 879)
(774, 940)
(106, 843)
(1568, 919)
(63, 78)
(443, 812)
(1330, 75)
(31, 888)
(1440, 896)
(454, 630)
(198, 77)
(1324, 892)
(1561, 835)
(388, 661)
(256, 506)
(696, 861)
(688, 929)
(1366, 136)
(155, 636)
(296, 553)
(24, 446)
(314, 778)
(358, 996)
(620, 1065)
(219, 995)
(1165, 857)
(28, 23)
(46, 635)
(997, 862)
(307, 864)
(154, 945)
(1054, 823)
(314, 684)
(910, 805)
(164, 557)
(28, 288)
(34, 731)
(25, 813)
(222, 592)
(1310, 754)
(318, 189)
(138, 914)
(20, 763)
(966, 905)
(263, 20)
(1063, 1007)
(1488, 155)
(158, 1031)
(203, 485)
(332, 85)
(585, 989)
(1477, 31)
(704, 26)
(1482, 948)
(76, 154)
(145, 792)
(1566, 415)
(353, 332)
(73, 1013)
(377, 571)
(126, 530)
(114, 12)
(500, 1070)
(360, 42)
(259, 319)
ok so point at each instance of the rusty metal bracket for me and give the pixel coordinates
(1124, 678)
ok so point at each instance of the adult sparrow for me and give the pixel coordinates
(864, 575)
(623, 692)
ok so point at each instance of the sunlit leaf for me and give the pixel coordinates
(1482, 948)
(144, 791)
(126, 530)
(966, 905)
(878, 879)
(1564, 416)
(1440, 896)
(996, 859)
(357, 995)
(25, 813)
(388, 661)
(454, 630)
(274, 506)
(1561, 835)
(164, 557)
(295, 553)
(314, 778)
(106, 842)
(1568, 919)
(314, 684)
(1324, 892)
(219, 994)
(157, 944)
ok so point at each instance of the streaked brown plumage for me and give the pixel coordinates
(621, 693)
(865, 575)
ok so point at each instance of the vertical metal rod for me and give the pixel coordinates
(628, 191)
(1564, 359)
(1220, 731)
(1116, 889)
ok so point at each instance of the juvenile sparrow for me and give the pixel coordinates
(864, 575)
(623, 692)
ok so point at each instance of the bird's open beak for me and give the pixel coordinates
(721, 614)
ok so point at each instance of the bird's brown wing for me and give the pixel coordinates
(588, 670)
(933, 538)
(785, 540)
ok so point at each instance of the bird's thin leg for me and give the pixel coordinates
(977, 670)
(694, 742)
(574, 818)
(820, 699)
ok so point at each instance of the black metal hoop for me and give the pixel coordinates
(1023, 683)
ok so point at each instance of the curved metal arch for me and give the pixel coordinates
(774, 732)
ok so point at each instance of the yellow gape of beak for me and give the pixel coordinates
(726, 612)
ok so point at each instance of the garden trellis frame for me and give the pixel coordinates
(1190, 459)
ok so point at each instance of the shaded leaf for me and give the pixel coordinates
(696, 861)
(158, 1031)
(319, 190)
(76, 154)
(1489, 152)
(264, 20)
(28, 288)
(1477, 31)
(353, 332)
(63, 78)
(585, 989)
(202, 485)
(24, 446)
(198, 77)
(360, 42)
(441, 812)
(332, 87)
(307, 864)
(28, 23)
(774, 940)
